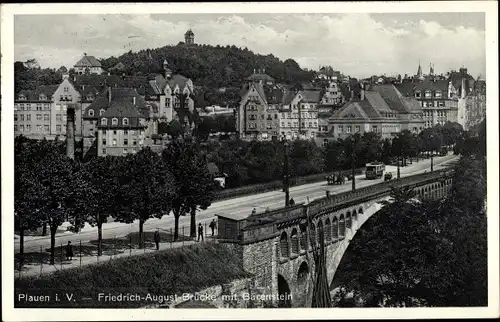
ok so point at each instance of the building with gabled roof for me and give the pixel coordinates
(88, 65)
(369, 113)
(122, 121)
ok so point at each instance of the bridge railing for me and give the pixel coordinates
(258, 229)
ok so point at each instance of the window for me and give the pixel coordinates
(58, 128)
(125, 132)
(39, 107)
(104, 141)
(358, 129)
(275, 116)
(46, 128)
(438, 93)
(114, 132)
(125, 141)
(21, 128)
(375, 128)
(125, 121)
(348, 128)
(114, 142)
(289, 124)
(104, 132)
(428, 94)
(66, 89)
(39, 117)
(114, 121)
(103, 151)
(21, 117)
(46, 117)
(91, 112)
(39, 128)
(15, 127)
(134, 142)
(417, 94)
(341, 128)
(28, 128)
(101, 112)
(441, 104)
(46, 107)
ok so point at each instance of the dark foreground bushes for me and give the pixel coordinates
(165, 273)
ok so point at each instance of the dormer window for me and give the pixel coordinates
(90, 98)
(91, 112)
(417, 94)
(101, 112)
(438, 93)
(104, 121)
(428, 94)
(125, 121)
(114, 121)
(22, 97)
(42, 97)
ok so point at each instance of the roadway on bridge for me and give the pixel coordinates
(236, 208)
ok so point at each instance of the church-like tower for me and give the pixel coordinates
(189, 37)
(419, 72)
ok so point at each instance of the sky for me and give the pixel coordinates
(357, 44)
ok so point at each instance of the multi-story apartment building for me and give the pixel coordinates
(88, 65)
(41, 113)
(299, 115)
(258, 113)
(438, 98)
(121, 122)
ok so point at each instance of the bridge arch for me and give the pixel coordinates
(341, 227)
(348, 220)
(354, 216)
(328, 230)
(303, 237)
(302, 274)
(294, 239)
(284, 292)
(284, 251)
(335, 229)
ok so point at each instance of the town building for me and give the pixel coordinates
(122, 121)
(88, 65)
(258, 113)
(438, 98)
(381, 109)
(42, 113)
(299, 115)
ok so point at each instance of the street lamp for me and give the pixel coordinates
(285, 170)
(353, 165)
(432, 152)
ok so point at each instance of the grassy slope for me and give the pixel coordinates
(164, 273)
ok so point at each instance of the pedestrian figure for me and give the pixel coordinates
(292, 202)
(200, 232)
(69, 251)
(212, 226)
(157, 239)
(254, 211)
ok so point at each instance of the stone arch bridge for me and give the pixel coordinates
(276, 246)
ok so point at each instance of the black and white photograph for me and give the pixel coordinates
(257, 156)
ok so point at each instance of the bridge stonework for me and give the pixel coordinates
(276, 246)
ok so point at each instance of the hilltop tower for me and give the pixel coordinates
(189, 37)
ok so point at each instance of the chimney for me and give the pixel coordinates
(463, 88)
(70, 132)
